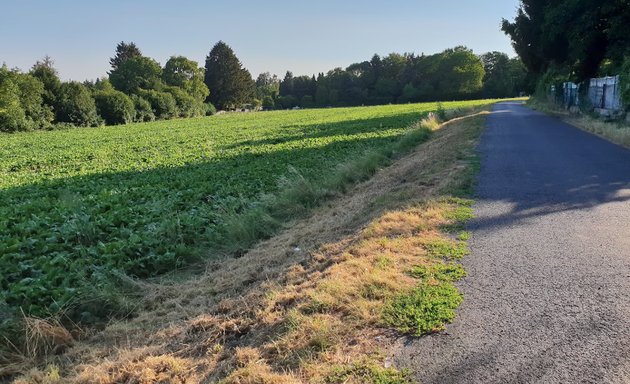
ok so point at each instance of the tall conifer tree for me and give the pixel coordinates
(229, 83)
(124, 52)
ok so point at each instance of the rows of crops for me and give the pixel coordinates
(144, 199)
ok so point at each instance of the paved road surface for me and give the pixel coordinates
(547, 297)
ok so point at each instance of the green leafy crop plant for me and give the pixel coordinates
(82, 205)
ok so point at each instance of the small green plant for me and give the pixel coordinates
(441, 112)
(439, 271)
(426, 309)
(368, 373)
(459, 214)
(446, 248)
(383, 262)
(432, 303)
(464, 236)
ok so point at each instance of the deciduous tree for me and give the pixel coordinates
(185, 74)
(498, 81)
(574, 36)
(267, 85)
(136, 73)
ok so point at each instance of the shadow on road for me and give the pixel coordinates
(557, 168)
(546, 297)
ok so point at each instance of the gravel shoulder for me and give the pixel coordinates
(547, 297)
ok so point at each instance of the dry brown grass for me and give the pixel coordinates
(616, 131)
(297, 305)
(45, 337)
(141, 370)
(49, 375)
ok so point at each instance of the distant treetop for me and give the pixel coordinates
(124, 52)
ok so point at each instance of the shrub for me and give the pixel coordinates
(12, 116)
(268, 103)
(143, 109)
(76, 105)
(286, 102)
(21, 102)
(163, 104)
(187, 105)
(256, 104)
(552, 77)
(32, 101)
(210, 109)
(115, 107)
(307, 101)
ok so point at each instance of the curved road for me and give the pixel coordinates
(547, 297)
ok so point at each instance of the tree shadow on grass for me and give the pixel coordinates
(325, 130)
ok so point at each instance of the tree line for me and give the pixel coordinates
(138, 89)
(572, 40)
(399, 78)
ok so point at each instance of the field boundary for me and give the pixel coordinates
(286, 289)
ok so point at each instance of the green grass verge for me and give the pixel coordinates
(432, 303)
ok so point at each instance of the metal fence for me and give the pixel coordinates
(570, 94)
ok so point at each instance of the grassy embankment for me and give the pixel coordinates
(616, 131)
(310, 304)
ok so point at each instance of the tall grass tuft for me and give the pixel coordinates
(298, 195)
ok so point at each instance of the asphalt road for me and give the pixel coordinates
(547, 297)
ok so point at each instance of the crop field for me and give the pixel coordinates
(82, 205)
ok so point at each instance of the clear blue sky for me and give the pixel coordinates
(275, 36)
